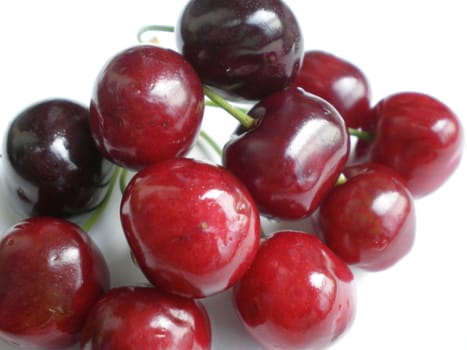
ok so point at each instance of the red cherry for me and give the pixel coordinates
(297, 294)
(339, 82)
(145, 318)
(293, 157)
(147, 106)
(368, 221)
(192, 227)
(51, 274)
(416, 135)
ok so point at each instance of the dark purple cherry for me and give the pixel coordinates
(52, 164)
(247, 49)
(339, 82)
(147, 106)
(294, 155)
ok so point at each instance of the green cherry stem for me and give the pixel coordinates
(153, 28)
(97, 213)
(360, 134)
(122, 181)
(210, 141)
(244, 119)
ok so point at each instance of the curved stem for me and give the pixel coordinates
(97, 213)
(153, 28)
(237, 113)
(362, 135)
(123, 180)
(210, 141)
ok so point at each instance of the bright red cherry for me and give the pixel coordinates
(369, 220)
(146, 318)
(297, 294)
(247, 49)
(416, 135)
(293, 157)
(52, 166)
(147, 106)
(193, 227)
(51, 274)
(339, 82)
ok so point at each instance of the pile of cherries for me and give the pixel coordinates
(194, 228)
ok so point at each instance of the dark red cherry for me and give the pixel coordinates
(416, 135)
(52, 165)
(293, 157)
(147, 106)
(146, 318)
(339, 82)
(297, 294)
(51, 274)
(247, 49)
(369, 220)
(193, 227)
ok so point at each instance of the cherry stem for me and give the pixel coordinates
(210, 141)
(97, 213)
(123, 180)
(244, 119)
(153, 28)
(360, 134)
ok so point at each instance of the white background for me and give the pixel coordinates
(55, 49)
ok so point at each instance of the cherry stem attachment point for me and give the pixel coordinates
(97, 213)
(244, 119)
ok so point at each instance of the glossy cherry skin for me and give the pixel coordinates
(370, 220)
(52, 166)
(135, 318)
(247, 49)
(416, 135)
(297, 294)
(193, 227)
(51, 274)
(293, 157)
(147, 106)
(339, 82)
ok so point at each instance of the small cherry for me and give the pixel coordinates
(51, 274)
(297, 294)
(369, 220)
(339, 82)
(416, 135)
(147, 106)
(139, 318)
(247, 49)
(193, 227)
(293, 156)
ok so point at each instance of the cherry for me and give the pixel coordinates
(51, 274)
(293, 157)
(146, 318)
(193, 227)
(146, 107)
(247, 49)
(339, 82)
(369, 220)
(416, 135)
(297, 294)
(52, 165)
